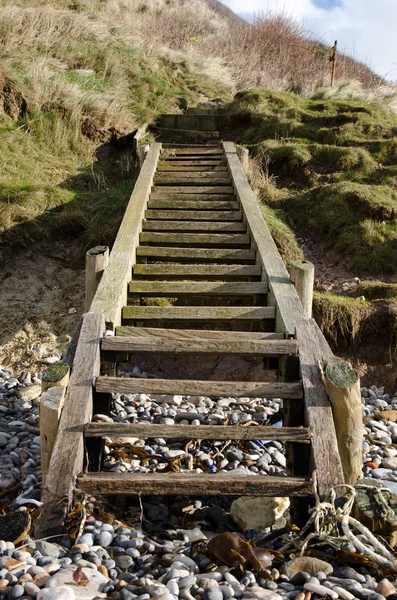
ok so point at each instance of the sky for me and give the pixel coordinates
(365, 29)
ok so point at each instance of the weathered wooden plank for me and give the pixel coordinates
(221, 255)
(193, 204)
(184, 134)
(193, 484)
(194, 189)
(65, 464)
(194, 334)
(111, 294)
(192, 122)
(188, 162)
(201, 176)
(189, 271)
(198, 432)
(197, 151)
(313, 350)
(200, 346)
(165, 183)
(282, 291)
(193, 215)
(195, 239)
(198, 313)
(204, 288)
(195, 226)
(186, 169)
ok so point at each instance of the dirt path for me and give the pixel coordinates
(38, 288)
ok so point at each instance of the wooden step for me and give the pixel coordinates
(194, 334)
(218, 484)
(197, 432)
(202, 288)
(208, 255)
(206, 170)
(196, 271)
(195, 151)
(196, 189)
(193, 215)
(176, 162)
(195, 239)
(185, 134)
(195, 226)
(192, 174)
(198, 313)
(193, 204)
(145, 344)
(196, 182)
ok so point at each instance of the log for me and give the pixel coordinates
(51, 405)
(96, 260)
(302, 275)
(55, 375)
(343, 388)
(376, 507)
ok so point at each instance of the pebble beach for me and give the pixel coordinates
(160, 548)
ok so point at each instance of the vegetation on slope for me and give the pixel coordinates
(326, 168)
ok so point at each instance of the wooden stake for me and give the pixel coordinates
(302, 275)
(96, 260)
(54, 376)
(333, 60)
(343, 387)
(50, 412)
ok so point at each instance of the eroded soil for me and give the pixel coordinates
(41, 300)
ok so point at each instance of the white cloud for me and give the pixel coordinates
(364, 29)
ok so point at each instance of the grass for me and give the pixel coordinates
(332, 163)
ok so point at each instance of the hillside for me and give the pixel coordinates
(325, 169)
(77, 77)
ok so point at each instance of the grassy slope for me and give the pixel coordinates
(71, 81)
(329, 167)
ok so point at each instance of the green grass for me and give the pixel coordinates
(334, 161)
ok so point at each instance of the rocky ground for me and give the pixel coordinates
(142, 551)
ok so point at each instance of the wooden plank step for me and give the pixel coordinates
(198, 432)
(199, 346)
(202, 150)
(195, 226)
(209, 255)
(193, 215)
(197, 182)
(197, 197)
(193, 204)
(193, 484)
(183, 134)
(203, 288)
(194, 334)
(193, 169)
(196, 189)
(191, 162)
(195, 173)
(189, 271)
(196, 145)
(195, 239)
(198, 313)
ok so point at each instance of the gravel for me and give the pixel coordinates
(147, 553)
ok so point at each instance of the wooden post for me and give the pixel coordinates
(243, 154)
(333, 61)
(302, 275)
(54, 376)
(343, 387)
(96, 260)
(143, 150)
(51, 405)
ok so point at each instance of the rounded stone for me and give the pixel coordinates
(61, 593)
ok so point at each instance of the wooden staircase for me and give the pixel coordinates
(194, 234)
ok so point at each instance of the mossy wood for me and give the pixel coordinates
(375, 506)
(55, 375)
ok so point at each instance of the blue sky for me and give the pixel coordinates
(365, 29)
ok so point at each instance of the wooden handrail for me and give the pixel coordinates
(282, 293)
(112, 291)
